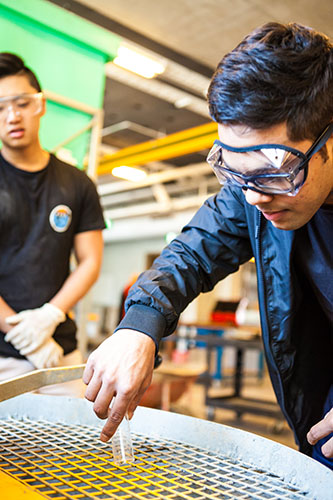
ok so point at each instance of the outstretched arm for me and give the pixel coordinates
(209, 248)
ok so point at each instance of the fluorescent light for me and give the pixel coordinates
(183, 102)
(138, 62)
(129, 173)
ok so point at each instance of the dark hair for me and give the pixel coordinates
(278, 73)
(11, 64)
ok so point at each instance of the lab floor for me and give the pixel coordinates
(192, 403)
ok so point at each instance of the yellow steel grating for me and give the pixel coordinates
(63, 461)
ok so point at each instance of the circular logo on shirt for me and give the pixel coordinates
(60, 218)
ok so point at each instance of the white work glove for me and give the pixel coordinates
(47, 355)
(33, 327)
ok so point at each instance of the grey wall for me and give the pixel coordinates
(122, 260)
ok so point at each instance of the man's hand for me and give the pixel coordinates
(121, 367)
(47, 355)
(33, 327)
(321, 430)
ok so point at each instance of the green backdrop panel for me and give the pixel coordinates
(44, 36)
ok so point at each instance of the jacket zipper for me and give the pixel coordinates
(266, 340)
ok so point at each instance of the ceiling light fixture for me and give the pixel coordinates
(183, 102)
(129, 173)
(138, 62)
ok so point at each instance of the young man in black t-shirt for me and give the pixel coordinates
(47, 209)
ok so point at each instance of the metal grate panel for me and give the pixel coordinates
(63, 461)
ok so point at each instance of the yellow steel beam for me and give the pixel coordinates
(173, 145)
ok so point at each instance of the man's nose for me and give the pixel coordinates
(12, 115)
(255, 198)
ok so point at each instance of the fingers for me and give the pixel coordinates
(100, 390)
(116, 414)
(321, 430)
(14, 319)
(327, 448)
(133, 405)
(15, 334)
(95, 383)
(92, 378)
(120, 368)
(103, 400)
(88, 371)
(26, 348)
(21, 337)
(123, 403)
(46, 356)
(137, 397)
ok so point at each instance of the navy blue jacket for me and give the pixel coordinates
(226, 232)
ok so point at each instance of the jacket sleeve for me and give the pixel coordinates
(213, 245)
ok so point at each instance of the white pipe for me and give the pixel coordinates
(155, 209)
(158, 89)
(156, 178)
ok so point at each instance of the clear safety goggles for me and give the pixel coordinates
(21, 104)
(265, 168)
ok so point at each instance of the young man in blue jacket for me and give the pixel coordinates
(272, 98)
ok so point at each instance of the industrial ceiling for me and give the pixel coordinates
(191, 36)
(204, 30)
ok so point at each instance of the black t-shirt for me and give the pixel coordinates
(40, 214)
(315, 252)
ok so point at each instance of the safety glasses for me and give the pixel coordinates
(21, 104)
(265, 168)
